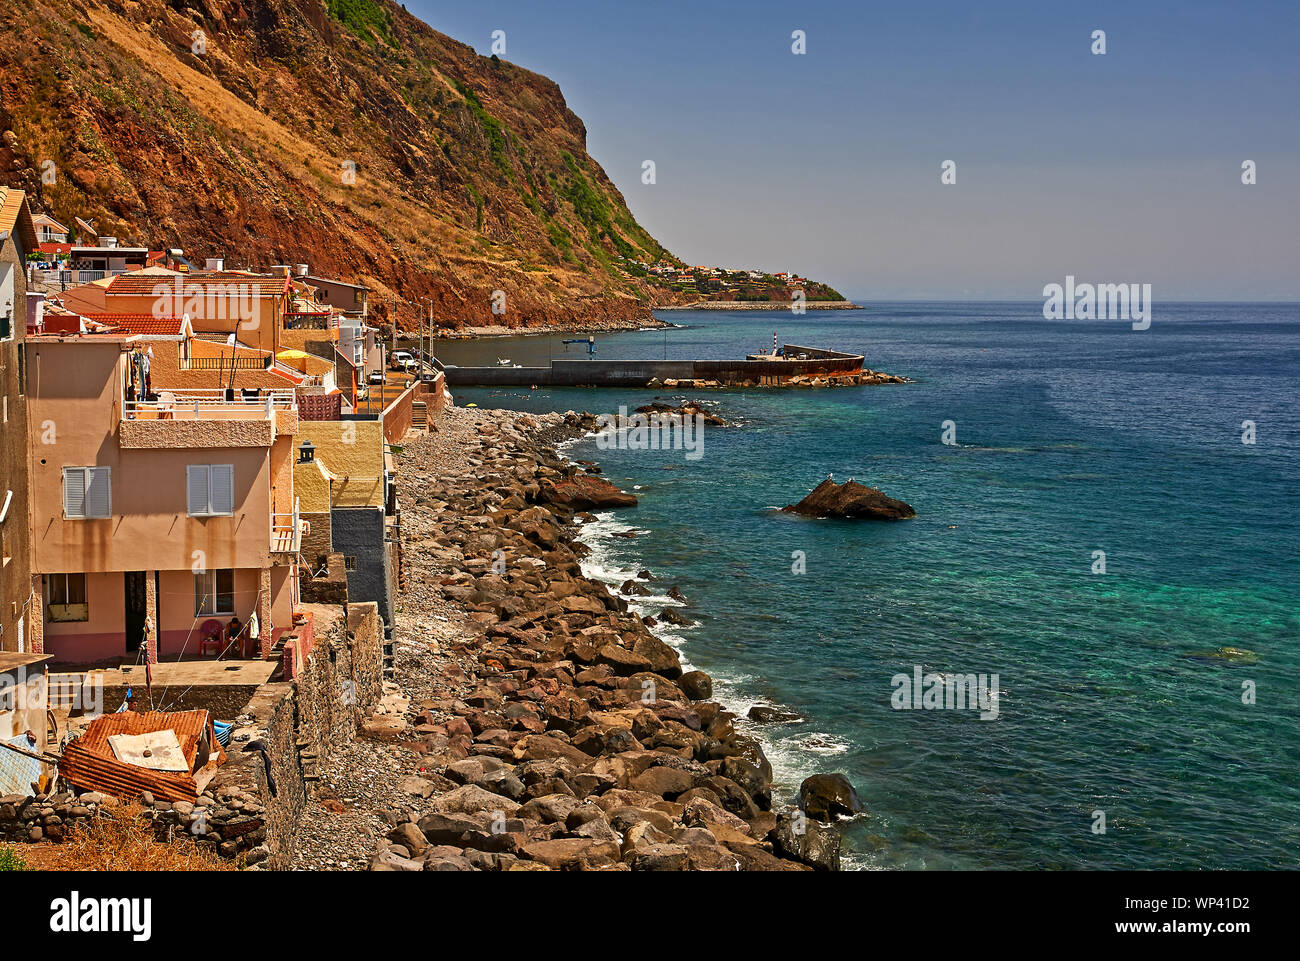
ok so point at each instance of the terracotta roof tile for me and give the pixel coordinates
(258, 286)
(16, 215)
(145, 324)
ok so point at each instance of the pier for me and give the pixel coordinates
(776, 369)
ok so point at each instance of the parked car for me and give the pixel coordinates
(376, 377)
(400, 360)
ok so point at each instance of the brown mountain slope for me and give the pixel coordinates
(230, 127)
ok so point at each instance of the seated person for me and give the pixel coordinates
(233, 630)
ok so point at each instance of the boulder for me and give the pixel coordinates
(561, 853)
(584, 492)
(472, 799)
(850, 500)
(665, 781)
(767, 714)
(696, 685)
(823, 796)
(807, 841)
(622, 660)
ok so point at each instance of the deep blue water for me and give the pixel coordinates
(1072, 437)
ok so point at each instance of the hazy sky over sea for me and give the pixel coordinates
(1117, 168)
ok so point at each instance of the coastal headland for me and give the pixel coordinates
(546, 726)
(764, 305)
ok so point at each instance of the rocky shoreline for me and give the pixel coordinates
(764, 305)
(594, 326)
(538, 723)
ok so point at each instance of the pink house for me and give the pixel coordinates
(152, 518)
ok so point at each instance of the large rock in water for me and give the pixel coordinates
(584, 492)
(823, 796)
(807, 841)
(850, 499)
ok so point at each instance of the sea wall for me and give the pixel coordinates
(638, 373)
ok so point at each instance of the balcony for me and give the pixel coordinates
(72, 278)
(288, 530)
(212, 405)
(209, 418)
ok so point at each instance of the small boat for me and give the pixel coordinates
(503, 361)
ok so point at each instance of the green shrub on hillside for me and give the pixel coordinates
(367, 19)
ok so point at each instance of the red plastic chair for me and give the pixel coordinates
(211, 633)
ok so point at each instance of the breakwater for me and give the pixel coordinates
(753, 371)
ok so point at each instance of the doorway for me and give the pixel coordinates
(136, 610)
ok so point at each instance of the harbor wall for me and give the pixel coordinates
(637, 373)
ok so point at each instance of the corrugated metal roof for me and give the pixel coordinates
(88, 762)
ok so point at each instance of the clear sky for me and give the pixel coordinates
(1124, 167)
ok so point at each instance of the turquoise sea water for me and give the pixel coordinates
(1072, 437)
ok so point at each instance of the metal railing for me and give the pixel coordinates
(226, 363)
(234, 404)
(73, 277)
(287, 530)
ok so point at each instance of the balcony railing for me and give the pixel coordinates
(211, 405)
(73, 278)
(226, 363)
(288, 530)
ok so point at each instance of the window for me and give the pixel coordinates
(210, 489)
(66, 588)
(214, 593)
(349, 562)
(87, 492)
(66, 596)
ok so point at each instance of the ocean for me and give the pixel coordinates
(1159, 700)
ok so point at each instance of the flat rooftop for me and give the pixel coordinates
(193, 673)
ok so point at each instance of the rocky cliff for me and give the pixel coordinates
(343, 133)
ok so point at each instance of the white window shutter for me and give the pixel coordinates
(223, 488)
(74, 492)
(196, 489)
(99, 492)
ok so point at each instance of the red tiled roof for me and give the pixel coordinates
(193, 283)
(15, 214)
(140, 323)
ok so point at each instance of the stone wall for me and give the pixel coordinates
(222, 701)
(329, 588)
(44, 816)
(337, 687)
(316, 543)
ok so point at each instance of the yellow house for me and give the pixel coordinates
(341, 479)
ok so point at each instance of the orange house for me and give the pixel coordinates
(153, 518)
(250, 306)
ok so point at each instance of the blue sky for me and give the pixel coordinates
(1117, 168)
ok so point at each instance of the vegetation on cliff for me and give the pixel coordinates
(343, 132)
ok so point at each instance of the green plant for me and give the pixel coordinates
(11, 860)
(365, 18)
